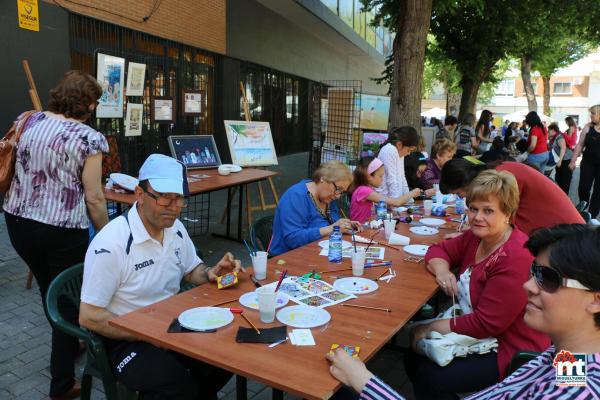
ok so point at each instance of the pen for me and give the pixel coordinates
(379, 264)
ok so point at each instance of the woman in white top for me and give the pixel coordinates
(401, 142)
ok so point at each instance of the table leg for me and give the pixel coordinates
(228, 212)
(240, 210)
(277, 394)
(241, 384)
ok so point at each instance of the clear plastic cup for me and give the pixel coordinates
(266, 303)
(427, 206)
(358, 262)
(389, 227)
(259, 264)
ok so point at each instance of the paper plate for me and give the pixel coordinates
(303, 316)
(250, 300)
(355, 285)
(432, 221)
(424, 230)
(400, 209)
(416, 250)
(125, 181)
(205, 318)
(325, 244)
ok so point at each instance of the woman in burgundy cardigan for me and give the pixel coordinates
(442, 151)
(493, 255)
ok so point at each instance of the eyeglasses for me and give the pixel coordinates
(550, 280)
(337, 190)
(164, 201)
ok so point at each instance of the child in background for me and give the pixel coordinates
(368, 175)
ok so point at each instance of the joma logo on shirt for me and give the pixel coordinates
(144, 264)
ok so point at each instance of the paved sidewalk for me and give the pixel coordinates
(25, 332)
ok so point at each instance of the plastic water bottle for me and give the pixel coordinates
(381, 210)
(335, 246)
(459, 206)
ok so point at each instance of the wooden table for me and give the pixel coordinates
(302, 371)
(213, 183)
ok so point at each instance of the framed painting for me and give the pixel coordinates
(250, 143)
(133, 120)
(162, 109)
(135, 79)
(110, 74)
(192, 102)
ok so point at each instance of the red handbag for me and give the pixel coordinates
(8, 154)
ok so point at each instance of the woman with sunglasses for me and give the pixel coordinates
(308, 210)
(492, 266)
(564, 302)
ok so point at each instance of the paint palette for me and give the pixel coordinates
(424, 230)
(355, 285)
(250, 300)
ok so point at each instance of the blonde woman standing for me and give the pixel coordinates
(589, 146)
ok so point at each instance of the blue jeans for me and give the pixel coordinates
(539, 160)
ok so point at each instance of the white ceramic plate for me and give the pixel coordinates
(432, 221)
(424, 230)
(231, 167)
(416, 250)
(125, 181)
(325, 244)
(250, 300)
(355, 285)
(400, 209)
(303, 316)
(205, 318)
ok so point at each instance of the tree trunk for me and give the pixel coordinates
(546, 80)
(452, 103)
(409, 61)
(468, 99)
(526, 77)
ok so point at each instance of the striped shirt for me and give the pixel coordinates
(376, 389)
(537, 380)
(47, 184)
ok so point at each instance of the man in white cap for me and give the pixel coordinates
(139, 259)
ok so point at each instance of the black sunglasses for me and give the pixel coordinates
(550, 280)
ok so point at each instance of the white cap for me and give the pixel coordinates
(165, 174)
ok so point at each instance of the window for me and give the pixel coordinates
(370, 30)
(379, 31)
(360, 22)
(562, 88)
(346, 8)
(506, 88)
(331, 4)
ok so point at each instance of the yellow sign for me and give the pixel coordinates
(28, 15)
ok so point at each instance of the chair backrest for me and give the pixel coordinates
(261, 232)
(582, 205)
(521, 358)
(67, 285)
(587, 217)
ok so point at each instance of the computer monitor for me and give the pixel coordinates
(195, 151)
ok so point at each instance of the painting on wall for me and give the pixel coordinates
(133, 120)
(135, 79)
(375, 112)
(110, 74)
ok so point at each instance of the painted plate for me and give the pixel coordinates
(424, 230)
(205, 318)
(325, 244)
(416, 250)
(303, 316)
(125, 181)
(400, 209)
(250, 300)
(432, 221)
(355, 285)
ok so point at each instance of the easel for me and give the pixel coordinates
(263, 205)
(37, 105)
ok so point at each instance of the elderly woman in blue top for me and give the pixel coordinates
(308, 211)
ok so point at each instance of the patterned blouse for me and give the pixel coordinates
(47, 184)
(537, 380)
